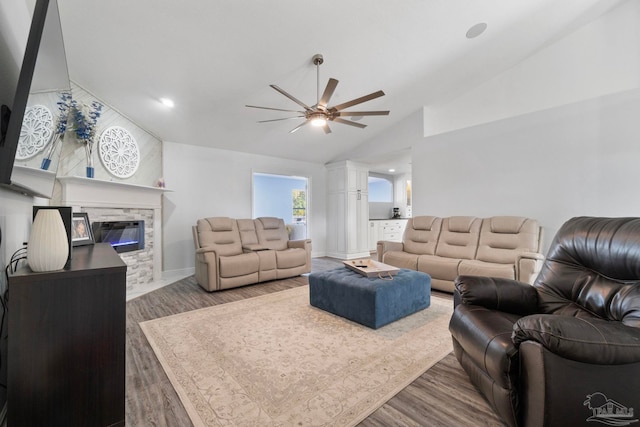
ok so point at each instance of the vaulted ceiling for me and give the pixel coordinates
(213, 57)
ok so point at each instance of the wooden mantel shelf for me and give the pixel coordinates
(79, 191)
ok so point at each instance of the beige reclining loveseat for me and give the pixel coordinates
(237, 252)
(500, 246)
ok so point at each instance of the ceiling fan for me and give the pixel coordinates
(321, 114)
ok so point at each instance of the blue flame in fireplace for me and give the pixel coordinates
(124, 236)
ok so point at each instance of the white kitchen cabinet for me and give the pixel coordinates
(385, 229)
(373, 235)
(347, 210)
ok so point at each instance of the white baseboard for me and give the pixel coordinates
(183, 272)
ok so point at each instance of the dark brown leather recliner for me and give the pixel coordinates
(565, 351)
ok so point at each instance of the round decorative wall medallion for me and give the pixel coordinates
(119, 152)
(36, 131)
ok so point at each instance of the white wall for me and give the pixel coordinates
(73, 161)
(555, 136)
(211, 182)
(400, 137)
(602, 57)
(16, 213)
(579, 159)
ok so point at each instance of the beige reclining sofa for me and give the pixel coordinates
(237, 252)
(500, 246)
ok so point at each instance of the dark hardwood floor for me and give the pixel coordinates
(442, 396)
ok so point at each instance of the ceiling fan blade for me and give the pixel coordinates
(291, 97)
(356, 101)
(349, 122)
(326, 128)
(328, 92)
(277, 120)
(361, 113)
(299, 126)
(276, 109)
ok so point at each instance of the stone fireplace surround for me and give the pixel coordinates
(118, 201)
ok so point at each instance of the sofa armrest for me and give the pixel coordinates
(207, 255)
(206, 266)
(384, 246)
(205, 250)
(496, 293)
(528, 265)
(303, 244)
(595, 341)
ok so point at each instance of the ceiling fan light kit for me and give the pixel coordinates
(318, 120)
(320, 114)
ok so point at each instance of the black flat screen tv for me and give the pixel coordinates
(41, 69)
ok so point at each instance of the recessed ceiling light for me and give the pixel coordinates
(476, 30)
(167, 102)
(392, 170)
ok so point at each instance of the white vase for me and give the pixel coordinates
(48, 247)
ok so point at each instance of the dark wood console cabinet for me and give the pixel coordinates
(66, 342)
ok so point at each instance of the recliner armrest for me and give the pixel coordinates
(530, 255)
(387, 246)
(496, 293)
(303, 244)
(205, 249)
(595, 341)
(528, 265)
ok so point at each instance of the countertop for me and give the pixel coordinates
(386, 219)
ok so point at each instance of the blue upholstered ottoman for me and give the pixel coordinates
(372, 302)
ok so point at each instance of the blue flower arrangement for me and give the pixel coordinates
(63, 112)
(64, 105)
(85, 119)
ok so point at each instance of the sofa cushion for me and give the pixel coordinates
(272, 233)
(290, 258)
(220, 234)
(270, 223)
(439, 267)
(421, 235)
(503, 237)
(401, 259)
(248, 234)
(221, 223)
(268, 267)
(239, 265)
(470, 267)
(459, 237)
(460, 224)
(505, 224)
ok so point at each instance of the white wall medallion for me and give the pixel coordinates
(36, 131)
(119, 152)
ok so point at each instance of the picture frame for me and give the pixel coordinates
(81, 232)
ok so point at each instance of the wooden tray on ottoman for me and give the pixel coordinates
(371, 268)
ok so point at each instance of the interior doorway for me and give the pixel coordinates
(283, 196)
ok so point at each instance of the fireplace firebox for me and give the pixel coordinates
(124, 236)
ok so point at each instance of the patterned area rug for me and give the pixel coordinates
(275, 360)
